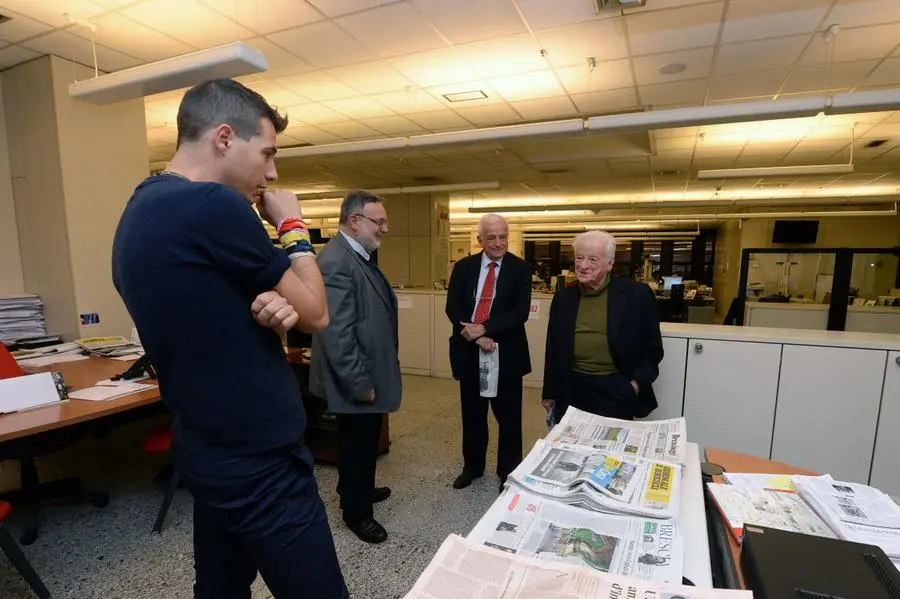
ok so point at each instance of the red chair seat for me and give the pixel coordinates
(5, 511)
(158, 441)
(9, 368)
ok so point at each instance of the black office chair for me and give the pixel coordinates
(14, 553)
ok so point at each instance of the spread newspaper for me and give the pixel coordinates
(464, 569)
(525, 524)
(783, 510)
(855, 512)
(600, 480)
(662, 440)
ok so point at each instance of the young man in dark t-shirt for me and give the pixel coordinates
(210, 294)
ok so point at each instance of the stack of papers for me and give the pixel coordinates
(463, 568)
(21, 316)
(107, 392)
(118, 348)
(525, 524)
(52, 354)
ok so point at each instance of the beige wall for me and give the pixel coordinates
(73, 166)
(727, 267)
(416, 250)
(11, 278)
(883, 231)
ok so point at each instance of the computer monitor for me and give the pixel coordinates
(669, 281)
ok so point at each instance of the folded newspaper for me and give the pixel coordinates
(464, 569)
(663, 440)
(855, 512)
(110, 347)
(600, 480)
(526, 524)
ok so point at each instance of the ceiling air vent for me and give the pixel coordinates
(555, 171)
(876, 143)
(618, 4)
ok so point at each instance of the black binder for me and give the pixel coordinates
(786, 565)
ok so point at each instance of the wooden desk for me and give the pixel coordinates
(78, 375)
(738, 462)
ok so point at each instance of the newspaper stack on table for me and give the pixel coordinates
(855, 512)
(662, 440)
(600, 480)
(462, 568)
(112, 347)
(21, 317)
(525, 524)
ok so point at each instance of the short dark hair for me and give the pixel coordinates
(355, 201)
(212, 103)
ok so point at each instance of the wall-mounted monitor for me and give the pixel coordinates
(795, 231)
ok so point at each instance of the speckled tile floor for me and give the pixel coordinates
(86, 553)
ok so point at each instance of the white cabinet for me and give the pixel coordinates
(729, 394)
(413, 317)
(536, 329)
(669, 386)
(827, 409)
(440, 337)
(886, 463)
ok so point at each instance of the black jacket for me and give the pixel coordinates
(634, 340)
(506, 323)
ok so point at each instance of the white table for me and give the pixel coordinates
(697, 567)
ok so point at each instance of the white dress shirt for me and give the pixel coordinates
(357, 246)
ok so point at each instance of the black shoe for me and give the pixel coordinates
(465, 479)
(368, 530)
(380, 494)
(502, 484)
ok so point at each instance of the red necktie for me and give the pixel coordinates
(487, 295)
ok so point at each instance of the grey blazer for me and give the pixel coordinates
(357, 351)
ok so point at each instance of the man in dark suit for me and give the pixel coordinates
(354, 360)
(488, 301)
(603, 340)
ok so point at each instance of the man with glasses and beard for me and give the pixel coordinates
(354, 359)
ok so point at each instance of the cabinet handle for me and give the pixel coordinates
(698, 347)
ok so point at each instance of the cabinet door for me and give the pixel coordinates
(886, 463)
(536, 330)
(729, 394)
(669, 386)
(827, 409)
(414, 317)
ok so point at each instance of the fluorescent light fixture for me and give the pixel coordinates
(489, 134)
(708, 115)
(870, 101)
(775, 171)
(466, 96)
(368, 145)
(231, 60)
(402, 190)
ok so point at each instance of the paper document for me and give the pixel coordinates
(664, 440)
(464, 569)
(48, 359)
(778, 482)
(765, 507)
(29, 391)
(104, 393)
(525, 524)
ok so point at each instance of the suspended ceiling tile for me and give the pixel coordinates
(316, 86)
(675, 29)
(698, 63)
(493, 18)
(52, 12)
(374, 77)
(758, 19)
(613, 74)
(605, 101)
(508, 55)
(540, 84)
(358, 108)
(560, 106)
(861, 43)
(276, 95)
(440, 120)
(266, 17)
(13, 55)
(436, 67)
(180, 19)
(408, 102)
(322, 45)
(20, 27)
(887, 74)
(281, 62)
(760, 55)
(760, 84)
(315, 114)
(541, 14)
(666, 94)
(79, 50)
(392, 30)
(351, 130)
(129, 36)
(334, 8)
(571, 45)
(819, 78)
(495, 114)
(310, 134)
(855, 13)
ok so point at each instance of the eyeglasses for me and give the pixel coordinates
(381, 222)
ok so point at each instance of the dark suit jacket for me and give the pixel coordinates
(634, 340)
(506, 323)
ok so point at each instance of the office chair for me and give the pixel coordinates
(19, 561)
(160, 441)
(9, 368)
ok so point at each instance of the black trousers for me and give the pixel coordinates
(609, 395)
(358, 435)
(263, 514)
(507, 408)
